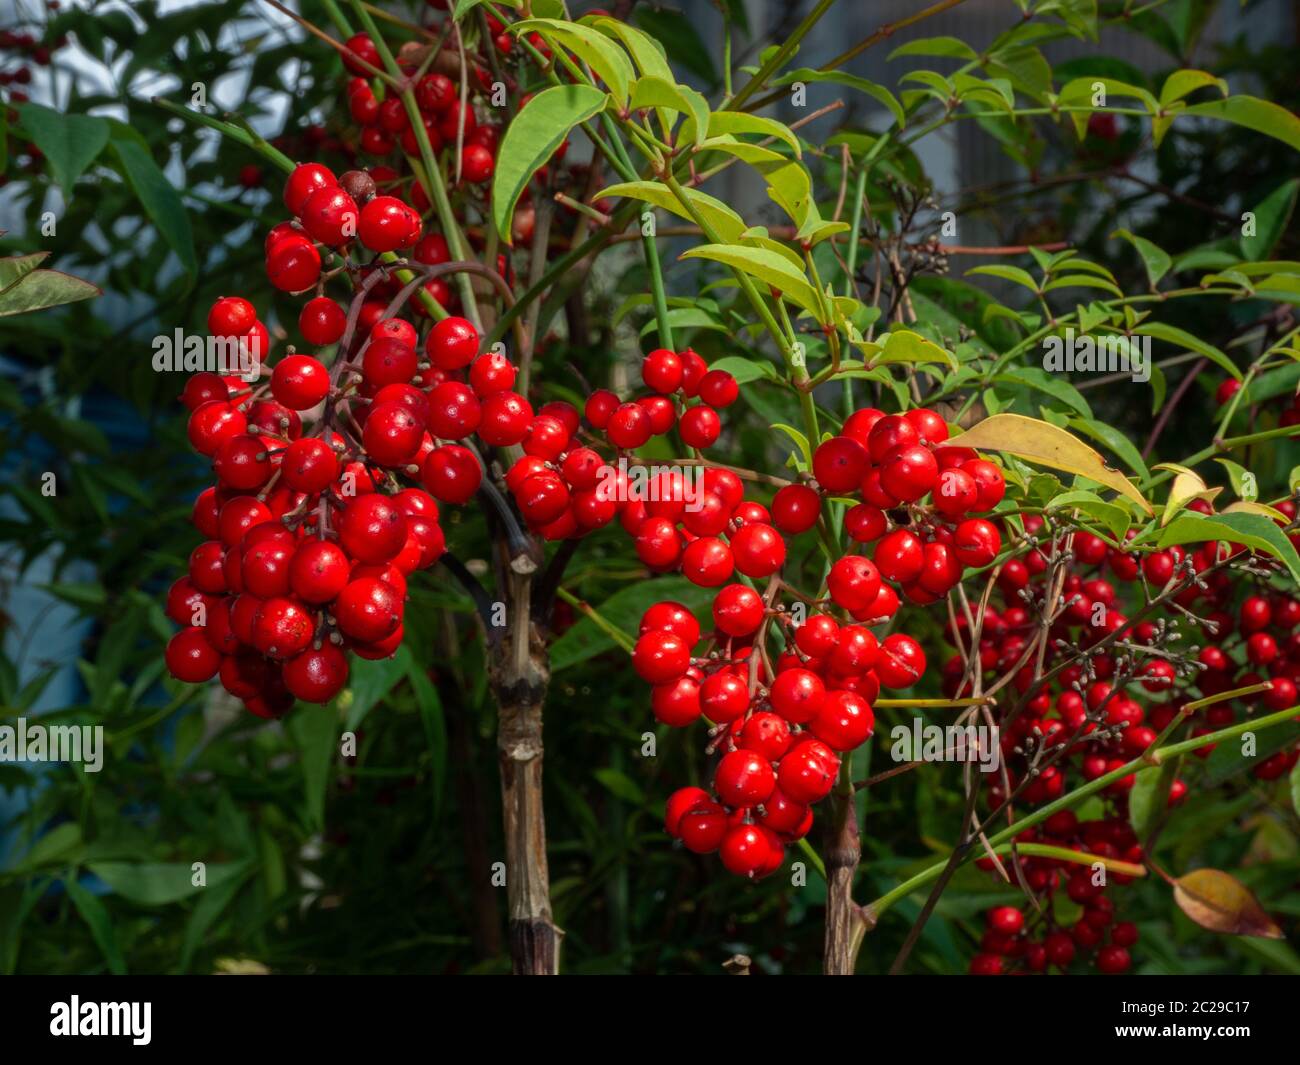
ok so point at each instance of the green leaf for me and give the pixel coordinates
(801, 440)
(769, 267)
(160, 883)
(96, 916)
(731, 123)
(1057, 387)
(1082, 281)
(532, 138)
(648, 53)
(1184, 339)
(70, 142)
(1149, 797)
(371, 681)
(623, 610)
(1185, 82)
(1253, 530)
(1007, 273)
(212, 903)
(850, 81)
(463, 7)
(429, 703)
(1295, 787)
(905, 346)
(724, 221)
(1260, 115)
(650, 91)
(1114, 517)
(607, 60)
(745, 370)
(621, 785)
(42, 289)
(1272, 216)
(57, 846)
(315, 729)
(788, 183)
(16, 267)
(161, 201)
(1155, 259)
(947, 47)
(1226, 760)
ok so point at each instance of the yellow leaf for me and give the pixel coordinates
(1241, 506)
(1037, 441)
(1187, 486)
(1221, 903)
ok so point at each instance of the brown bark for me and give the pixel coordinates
(843, 850)
(519, 673)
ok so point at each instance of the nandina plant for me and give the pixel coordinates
(929, 542)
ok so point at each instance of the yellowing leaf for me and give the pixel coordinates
(1243, 506)
(1221, 903)
(607, 60)
(1037, 441)
(1187, 486)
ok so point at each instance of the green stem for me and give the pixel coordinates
(778, 58)
(604, 624)
(656, 280)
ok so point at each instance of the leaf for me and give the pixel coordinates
(1185, 82)
(371, 681)
(745, 370)
(532, 138)
(42, 289)
(1054, 386)
(58, 845)
(95, 915)
(850, 81)
(623, 610)
(1227, 760)
(905, 346)
(1272, 215)
(1186, 487)
(1155, 259)
(946, 47)
(1253, 530)
(730, 123)
(788, 183)
(801, 440)
(16, 267)
(1082, 281)
(651, 91)
(463, 7)
(1115, 518)
(1221, 903)
(315, 730)
(648, 54)
(160, 883)
(70, 142)
(1260, 115)
(1113, 439)
(1184, 339)
(161, 201)
(621, 785)
(1149, 797)
(721, 218)
(1007, 273)
(607, 60)
(209, 908)
(429, 703)
(767, 266)
(1039, 442)
(1294, 781)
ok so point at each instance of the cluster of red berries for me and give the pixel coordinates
(1007, 946)
(447, 119)
(1289, 407)
(1106, 719)
(894, 461)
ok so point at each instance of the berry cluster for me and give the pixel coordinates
(781, 727)
(1107, 706)
(447, 120)
(892, 461)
